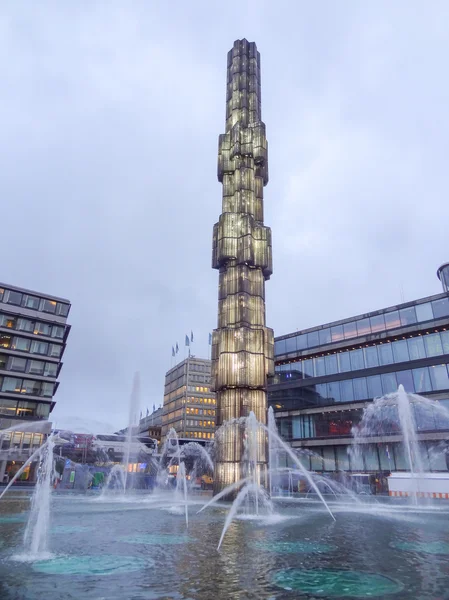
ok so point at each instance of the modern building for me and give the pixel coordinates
(33, 336)
(189, 404)
(151, 425)
(242, 345)
(326, 375)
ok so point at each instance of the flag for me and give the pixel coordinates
(177, 348)
(172, 350)
(187, 341)
(191, 336)
(210, 339)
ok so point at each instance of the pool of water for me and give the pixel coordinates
(138, 548)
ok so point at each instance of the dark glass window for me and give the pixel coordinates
(324, 336)
(7, 407)
(63, 309)
(392, 319)
(36, 367)
(424, 312)
(11, 384)
(344, 362)
(377, 323)
(385, 354)
(13, 298)
(32, 387)
(371, 358)
(320, 368)
(313, 339)
(55, 350)
(333, 391)
(5, 340)
(416, 348)
(22, 344)
(337, 333)
(350, 330)
(389, 383)
(445, 341)
(438, 377)
(308, 367)
(405, 378)
(48, 306)
(39, 347)
(50, 369)
(30, 302)
(363, 327)
(400, 351)
(25, 325)
(433, 344)
(279, 347)
(440, 308)
(301, 341)
(8, 321)
(321, 390)
(42, 328)
(290, 345)
(346, 390)
(407, 316)
(360, 388)
(17, 364)
(357, 361)
(421, 378)
(3, 361)
(331, 364)
(374, 386)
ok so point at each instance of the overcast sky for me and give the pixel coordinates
(110, 114)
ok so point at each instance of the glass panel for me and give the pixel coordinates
(50, 369)
(5, 340)
(43, 410)
(12, 298)
(346, 389)
(344, 362)
(30, 302)
(439, 377)
(22, 344)
(363, 327)
(297, 427)
(333, 390)
(308, 367)
(36, 367)
(39, 347)
(421, 378)
(407, 316)
(320, 368)
(440, 308)
(329, 458)
(350, 330)
(389, 383)
(321, 390)
(324, 336)
(279, 347)
(433, 344)
(445, 341)
(357, 462)
(11, 384)
(26, 409)
(313, 339)
(401, 463)
(437, 459)
(392, 319)
(47, 389)
(42, 329)
(17, 364)
(424, 312)
(301, 341)
(342, 458)
(405, 378)
(385, 354)
(377, 323)
(374, 386)
(331, 364)
(416, 348)
(400, 351)
(360, 389)
(25, 325)
(316, 461)
(337, 333)
(48, 306)
(371, 458)
(63, 309)
(8, 321)
(3, 361)
(7, 407)
(386, 458)
(371, 358)
(290, 344)
(29, 386)
(357, 361)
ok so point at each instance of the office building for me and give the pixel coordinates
(189, 404)
(242, 345)
(33, 336)
(326, 375)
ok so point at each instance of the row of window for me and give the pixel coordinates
(27, 386)
(200, 378)
(433, 344)
(202, 368)
(424, 379)
(200, 411)
(192, 388)
(376, 324)
(34, 302)
(170, 396)
(23, 365)
(195, 423)
(194, 400)
(376, 458)
(32, 346)
(35, 327)
(200, 435)
(24, 408)
(20, 440)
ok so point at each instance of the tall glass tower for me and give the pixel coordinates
(242, 346)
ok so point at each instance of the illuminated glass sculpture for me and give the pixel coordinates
(242, 346)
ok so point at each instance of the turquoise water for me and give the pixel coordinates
(139, 548)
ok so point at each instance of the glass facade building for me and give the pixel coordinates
(189, 404)
(33, 336)
(325, 376)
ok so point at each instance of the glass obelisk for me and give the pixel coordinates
(242, 346)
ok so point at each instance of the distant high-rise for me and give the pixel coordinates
(242, 347)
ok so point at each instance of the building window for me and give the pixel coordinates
(363, 327)
(357, 361)
(12, 297)
(50, 369)
(17, 364)
(400, 351)
(371, 357)
(337, 333)
(25, 325)
(42, 329)
(347, 392)
(424, 312)
(374, 386)
(39, 347)
(5, 340)
(392, 320)
(36, 367)
(439, 377)
(8, 321)
(421, 379)
(30, 302)
(389, 383)
(416, 348)
(22, 344)
(385, 354)
(47, 391)
(11, 384)
(433, 344)
(344, 362)
(407, 316)
(360, 389)
(377, 323)
(350, 330)
(63, 309)
(440, 308)
(48, 306)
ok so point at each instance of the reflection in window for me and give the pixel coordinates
(12, 297)
(333, 391)
(424, 312)
(39, 347)
(63, 309)
(389, 383)
(400, 351)
(279, 347)
(416, 348)
(422, 380)
(374, 386)
(320, 368)
(407, 316)
(363, 327)
(350, 330)
(344, 362)
(337, 333)
(371, 358)
(30, 302)
(325, 336)
(445, 341)
(301, 341)
(17, 364)
(440, 308)
(50, 369)
(290, 344)
(433, 344)
(331, 364)
(439, 377)
(22, 344)
(405, 378)
(25, 325)
(11, 384)
(36, 367)
(48, 306)
(347, 392)
(360, 389)
(357, 361)
(385, 354)
(313, 339)
(377, 323)
(392, 319)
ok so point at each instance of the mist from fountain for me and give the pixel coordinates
(181, 488)
(134, 407)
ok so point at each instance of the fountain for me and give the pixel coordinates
(134, 407)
